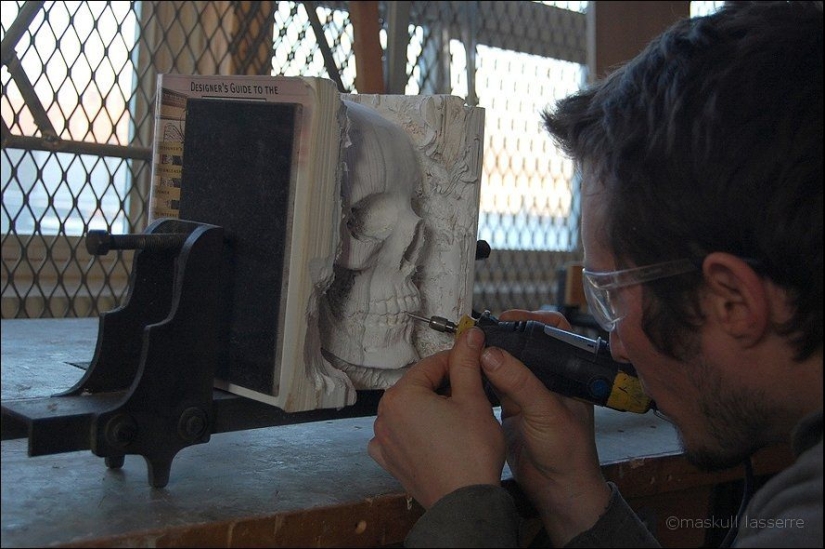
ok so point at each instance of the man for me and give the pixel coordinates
(701, 167)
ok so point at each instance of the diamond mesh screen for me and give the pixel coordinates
(78, 86)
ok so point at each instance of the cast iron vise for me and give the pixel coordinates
(149, 388)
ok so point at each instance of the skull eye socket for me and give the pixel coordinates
(373, 219)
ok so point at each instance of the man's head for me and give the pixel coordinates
(708, 147)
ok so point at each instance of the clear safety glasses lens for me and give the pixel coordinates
(602, 307)
(603, 300)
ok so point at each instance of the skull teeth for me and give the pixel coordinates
(392, 311)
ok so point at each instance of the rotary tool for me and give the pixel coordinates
(566, 363)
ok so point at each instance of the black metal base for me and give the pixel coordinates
(149, 388)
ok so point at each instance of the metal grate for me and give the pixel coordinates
(514, 59)
(78, 85)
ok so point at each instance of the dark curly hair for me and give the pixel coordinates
(711, 140)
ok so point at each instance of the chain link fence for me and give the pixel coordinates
(78, 90)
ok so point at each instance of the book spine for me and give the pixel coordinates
(167, 153)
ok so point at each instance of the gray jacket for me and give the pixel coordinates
(785, 512)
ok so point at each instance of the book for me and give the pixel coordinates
(345, 212)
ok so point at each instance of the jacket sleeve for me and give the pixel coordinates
(619, 526)
(473, 516)
(486, 516)
(787, 510)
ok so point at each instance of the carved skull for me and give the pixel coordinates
(363, 315)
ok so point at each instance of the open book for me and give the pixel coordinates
(344, 212)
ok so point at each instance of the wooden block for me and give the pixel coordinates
(573, 289)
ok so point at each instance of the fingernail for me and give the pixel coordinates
(491, 359)
(475, 338)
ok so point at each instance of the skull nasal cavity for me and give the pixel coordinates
(374, 217)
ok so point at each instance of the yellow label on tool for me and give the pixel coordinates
(465, 323)
(627, 395)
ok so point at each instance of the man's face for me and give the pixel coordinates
(718, 422)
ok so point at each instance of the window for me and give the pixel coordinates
(77, 102)
(514, 59)
(77, 61)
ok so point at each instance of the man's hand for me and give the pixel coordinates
(551, 446)
(435, 444)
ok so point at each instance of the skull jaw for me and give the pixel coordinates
(363, 378)
(369, 344)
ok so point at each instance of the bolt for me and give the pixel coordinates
(482, 249)
(121, 430)
(192, 424)
(99, 242)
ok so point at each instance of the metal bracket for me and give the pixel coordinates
(149, 388)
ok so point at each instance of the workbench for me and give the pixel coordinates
(302, 485)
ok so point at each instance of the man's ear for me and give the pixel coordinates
(738, 299)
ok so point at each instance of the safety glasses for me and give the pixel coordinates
(600, 288)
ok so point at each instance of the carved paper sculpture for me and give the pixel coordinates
(414, 168)
(381, 220)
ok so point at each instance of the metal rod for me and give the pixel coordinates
(326, 52)
(76, 147)
(19, 26)
(99, 242)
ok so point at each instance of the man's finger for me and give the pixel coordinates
(429, 372)
(465, 369)
(516, 385)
